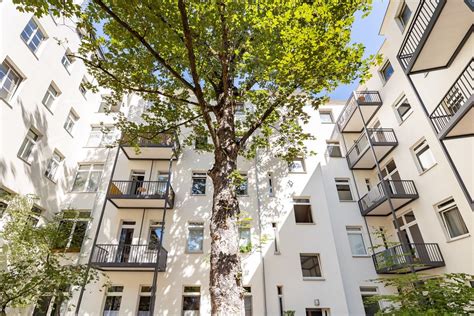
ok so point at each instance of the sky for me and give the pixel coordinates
(365, 31)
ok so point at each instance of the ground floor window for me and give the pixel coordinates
(191, 300)
(144, 301)
(317, 312)
(371, 308)
(113, 300)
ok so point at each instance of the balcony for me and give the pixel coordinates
(375, 202)
(350, 120)
(454, 115)
(420, 256)
(360, 156)
(163, 147)
(113, 257)
(439, 26)
(141, 194)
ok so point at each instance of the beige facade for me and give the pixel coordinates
(321, 230)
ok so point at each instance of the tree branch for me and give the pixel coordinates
(147, 45)
(135, 89)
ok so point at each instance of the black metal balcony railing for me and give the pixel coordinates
(455, 98)
(420, 256)
(396, 189)
(377, 136)
(421, 20)
(140, 190)
(128, 255)
(358, 98)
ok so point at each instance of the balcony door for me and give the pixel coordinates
(137, 185)
(410, 232)
(125, 242)
(162, 181)
(391, 175)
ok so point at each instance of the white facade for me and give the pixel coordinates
(335, 232)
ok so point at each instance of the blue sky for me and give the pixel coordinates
(365, 31)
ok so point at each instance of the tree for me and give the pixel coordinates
(197, 61)
(29, 267)
(447, 294)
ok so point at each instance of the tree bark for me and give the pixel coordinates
(226, 271)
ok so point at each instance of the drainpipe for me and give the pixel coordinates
(405, 247)
(101, 217)
(259, 205)
(160, 243)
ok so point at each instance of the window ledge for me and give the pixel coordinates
(295, 172)
(193, 194)
(400, 123)
(347, 201)
(29, 49)
(361, 256)
(193, 252)
(459, 238)
(425, 171)
(7, 103)
(314, 279)
(25, 161)
(70, 134)
(313, 223)
(53, 181)
(49, 110)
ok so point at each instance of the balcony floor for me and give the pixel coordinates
(138, 203)
(461, 124)
(383, 208)
(124, 266)
(149, 153)
(366, 160)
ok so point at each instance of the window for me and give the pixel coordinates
(53, 165)
(404, 15)
(88, 178)
(3, 207)
(270, 184)
(343, 190)
(82, 87)
(242, 188)
(107, 104)
(333, 149)
(71, 120)
(302, 209)
(280, 299)
(326, 117)
(297, 166)
(248, 301)
(113, 300)
(191, 300)
(424, 157)
(50, 96)
(156, 229)
(239, 108)
(100, 137)
(199, 183)
(144, 301)
(310, 265)
(245, 240)
(32, 35)
(34, 216)
(28, 146)
(356, 241)
(200, 143)
(67, 60)
(403, 110)
(386, 71)
(9, 81)
(452, 219)
(276, 238)
(367, 184)
(195, 237)
(72, 230)
(370, 308)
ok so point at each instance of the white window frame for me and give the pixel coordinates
(356, 230)
(248, 294)
(326, 112)
(82, 88)
(10, 73)
(67, 61)
(154, 224)
(416, 149)
(53, 165)
(303, 165)
(382, 71)
(398, 104)
(301, 200)
(199, 175)
(190, 294)
(144, 292)
(245, 184)
(97, 137)
(71, 121)
(364, 292)
(276, 238)
(110, 294)
(271, 184)
(37, 32)
(195, 226)
(309, 278)
(78, 217)
(333, 144)
(403, 25)
(444, 207)
(244, 240)
(93, 167)
(51, 95)
(341, 181)
(31, 140)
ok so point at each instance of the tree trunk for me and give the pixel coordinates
(226, 271)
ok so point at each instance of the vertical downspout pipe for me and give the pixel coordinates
(259, 205)
(160, 243)
(101, 218)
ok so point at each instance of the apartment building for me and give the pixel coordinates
(390, 186)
